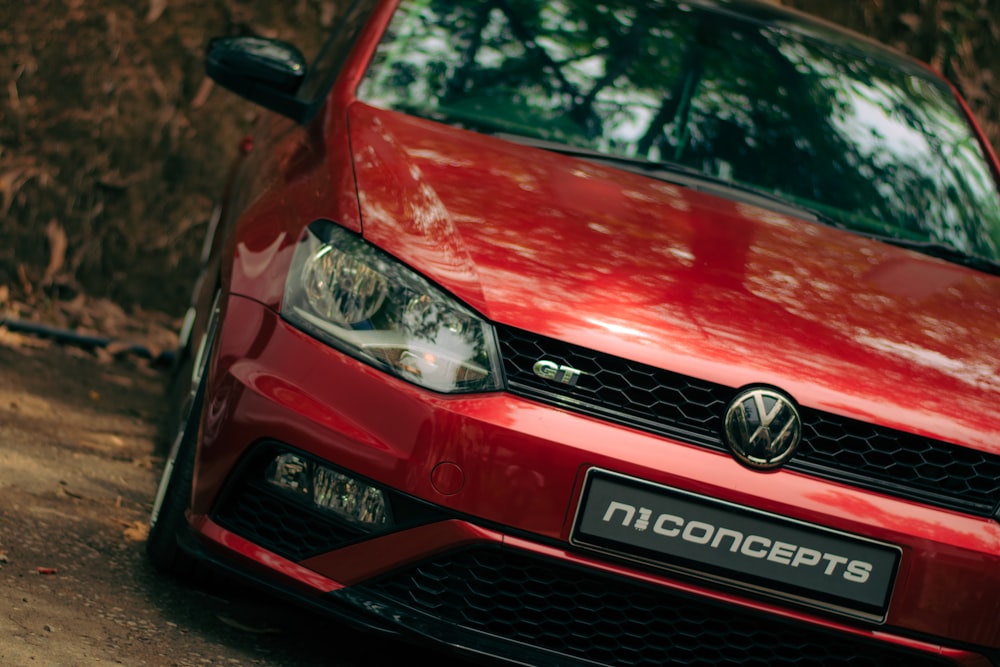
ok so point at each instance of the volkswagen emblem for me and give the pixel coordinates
(762, 428)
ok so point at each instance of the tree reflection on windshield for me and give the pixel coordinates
(870, 140)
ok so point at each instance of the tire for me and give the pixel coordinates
(168, 521)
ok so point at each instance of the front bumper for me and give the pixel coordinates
(484, 560)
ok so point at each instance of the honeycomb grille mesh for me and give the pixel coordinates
(617, 389)
(553, 606)
(278, 525)
(691, 410)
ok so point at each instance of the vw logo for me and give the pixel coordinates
(762, 428)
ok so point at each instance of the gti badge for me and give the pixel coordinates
(762, 428)
(550, 370)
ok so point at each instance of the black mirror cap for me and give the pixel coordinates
(265, 71)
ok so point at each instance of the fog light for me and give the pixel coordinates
(348, 498)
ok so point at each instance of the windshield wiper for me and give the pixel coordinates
(683, 175)
(680, 174)
(942, 251)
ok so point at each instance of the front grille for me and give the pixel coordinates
(899, 463)
(557, 607)
(691, 410)
(617, 389)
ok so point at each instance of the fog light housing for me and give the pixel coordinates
(348, 498)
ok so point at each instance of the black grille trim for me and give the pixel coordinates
(559, 608)
(691, 410)
(288, 529)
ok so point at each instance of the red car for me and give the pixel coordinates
(628, 333)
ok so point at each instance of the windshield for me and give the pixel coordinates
(871, 142)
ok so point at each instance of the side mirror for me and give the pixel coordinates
(267, 72)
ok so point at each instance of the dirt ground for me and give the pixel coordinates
(78, 471)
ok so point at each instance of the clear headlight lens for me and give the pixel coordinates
(347, 293)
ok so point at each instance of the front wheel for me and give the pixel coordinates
(168, 519)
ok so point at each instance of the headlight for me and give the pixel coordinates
(345, 292)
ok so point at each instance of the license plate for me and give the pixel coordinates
(740, 546)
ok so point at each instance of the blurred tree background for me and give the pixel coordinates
(113, 144)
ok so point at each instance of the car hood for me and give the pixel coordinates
(683, 280)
